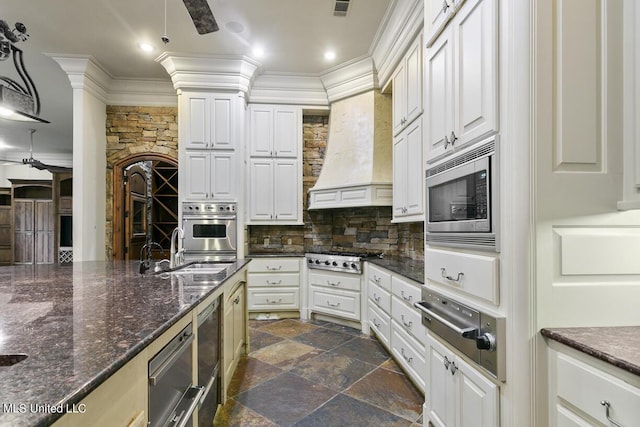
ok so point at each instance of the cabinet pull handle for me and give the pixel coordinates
(269, 282)
(445, 6)
(274, 268)
(407, 359)
(446, 363)
(376, 279)
(454, 138)
(237, 300)
(446, 142)
(376, 297)
(333, 284)
(406, 324)
(377, 325)
(274, 301)
(453, 368)
(607, 406)
(332, 305)
(404, 297)
(443, 273)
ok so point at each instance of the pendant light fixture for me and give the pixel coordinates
(18, 100)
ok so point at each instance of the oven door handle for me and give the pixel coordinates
(469, 332)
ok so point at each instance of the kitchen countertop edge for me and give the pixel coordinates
(612, 344)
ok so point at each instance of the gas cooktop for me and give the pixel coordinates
(347, 262)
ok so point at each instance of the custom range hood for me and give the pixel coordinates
(357, 169)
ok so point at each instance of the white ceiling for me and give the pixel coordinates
(293, 33)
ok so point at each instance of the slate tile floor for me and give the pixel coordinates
(318, 374)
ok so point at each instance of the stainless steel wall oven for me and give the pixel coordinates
(209, 231)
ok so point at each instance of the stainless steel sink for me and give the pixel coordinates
(202, 268)
(11, 359)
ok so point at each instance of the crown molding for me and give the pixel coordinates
(350, 78)
(85, 72)
(283, 88)
(217, 72)
(401, 27)
(146, 92)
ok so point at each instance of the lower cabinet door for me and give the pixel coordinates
(409, 353)
(478, 397)
(274, 299)
(380, 322)
(336, 302)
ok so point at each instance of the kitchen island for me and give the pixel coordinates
(81, 324)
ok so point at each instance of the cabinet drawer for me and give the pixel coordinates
(409, 353)
(380, 322)
(336, 280)
(274, 265)
(379, 276)
(476, 275)
(274, 299)
(273, 279)
(409, 318)
(380, 297)
(335, 302)
(585, 386)
(406, 291)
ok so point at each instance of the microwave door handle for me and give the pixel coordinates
(469, 333)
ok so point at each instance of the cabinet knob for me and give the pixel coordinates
(453, 368)
(446, 362)
(445, 6)
(446, 142)
(454, 138)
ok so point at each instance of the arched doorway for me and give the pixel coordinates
(145, 204)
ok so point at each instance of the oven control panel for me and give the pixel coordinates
(199, 208)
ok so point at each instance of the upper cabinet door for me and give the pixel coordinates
(197, 129)
(476, 68)
(287, 131)
(413, 66)
(286, 189)
(439, 96)
(399, 98)
(221, 122)
(436, 15)
(261, 138)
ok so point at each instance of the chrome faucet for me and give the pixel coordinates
(145, 255)
(176, 256)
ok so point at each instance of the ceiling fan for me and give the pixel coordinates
(201, 16)
(35, 163)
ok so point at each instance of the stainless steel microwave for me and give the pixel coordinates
(462, 199)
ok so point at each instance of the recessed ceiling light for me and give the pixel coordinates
(234, 27)
(329, 55)
(147, 47)
(4, 145)
(258, 52)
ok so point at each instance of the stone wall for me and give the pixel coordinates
(351, 229)
(133, 131)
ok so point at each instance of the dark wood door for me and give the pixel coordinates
(135, 214)
(23, 237)
(44, 232)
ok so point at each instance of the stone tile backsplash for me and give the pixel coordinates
(367, 229)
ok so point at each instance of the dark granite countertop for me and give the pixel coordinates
(410, 268)
(619, 346)
(79, 324)
(275, 254)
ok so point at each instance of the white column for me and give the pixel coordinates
(89, 82)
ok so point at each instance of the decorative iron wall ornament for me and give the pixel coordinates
(18, 101)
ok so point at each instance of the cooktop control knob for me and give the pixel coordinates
(327, 262)
(486, 341)
(353, 265)
(335, 264)
(317, 261)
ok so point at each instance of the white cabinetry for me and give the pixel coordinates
(335, 294)
(407, 87)
(395, 321)
(275, 167)
(457, 394)
(208, 141)
(274, 284)
(234, 324)
(408, 198)
(210, 175)
(461, 89)
(437, 14)
(578, 384)
(407, 130)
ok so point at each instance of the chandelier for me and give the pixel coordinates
(18, 100)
